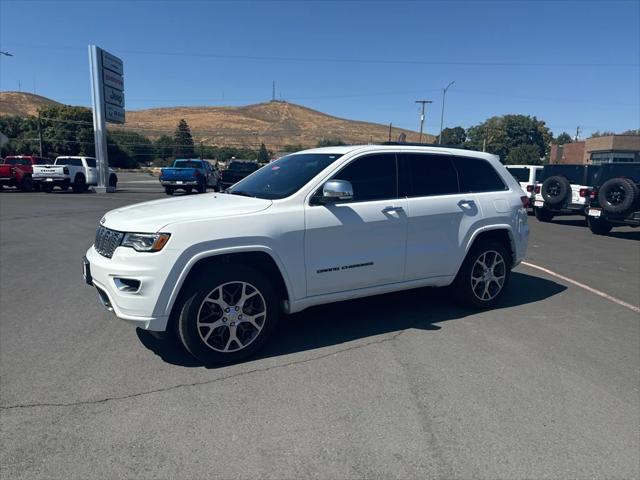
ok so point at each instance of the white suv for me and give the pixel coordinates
(314, 227)
(563, 190)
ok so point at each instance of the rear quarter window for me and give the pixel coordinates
(477, 175)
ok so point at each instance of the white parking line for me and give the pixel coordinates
(622, 303)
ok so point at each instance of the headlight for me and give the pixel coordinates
(146, 242)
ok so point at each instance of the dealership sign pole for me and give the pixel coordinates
(107, 94)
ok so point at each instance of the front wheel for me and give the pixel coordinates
(484, 274)
(599, 226)
(543, 214)
(227, 314)
(79, 184)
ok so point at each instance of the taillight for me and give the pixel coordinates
(525, 202)
(584, 192)
(537, 190)
(529, 188)
(593, 194)
(65, 170)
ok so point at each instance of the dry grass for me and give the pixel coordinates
(274, 123)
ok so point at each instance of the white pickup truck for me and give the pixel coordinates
(77, 172)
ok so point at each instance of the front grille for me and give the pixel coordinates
(107, 241)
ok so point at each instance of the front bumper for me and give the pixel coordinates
(142, 306)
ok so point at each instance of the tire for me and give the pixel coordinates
(113, 181)
(556, 190)
(202, 188)
(617, 195)
(168, 190)
(543, 214)
(478, 287)
(79, 184)
(47, 188)
(202, 300)
(599, 226)
(27, 184)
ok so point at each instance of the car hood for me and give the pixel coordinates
(153, 216)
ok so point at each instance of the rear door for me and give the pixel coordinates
(360, 243)
(439, 215)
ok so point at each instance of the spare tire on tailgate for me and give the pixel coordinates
(617, 195)
(555, 190)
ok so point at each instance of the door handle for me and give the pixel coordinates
(392, 209)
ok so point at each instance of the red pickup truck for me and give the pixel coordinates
(17, 171)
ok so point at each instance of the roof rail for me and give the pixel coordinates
(419, 144)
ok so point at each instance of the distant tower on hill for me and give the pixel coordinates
(273, 91)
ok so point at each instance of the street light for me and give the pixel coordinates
(444, 92)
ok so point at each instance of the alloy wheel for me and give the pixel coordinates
(231, 316)
(488, 275)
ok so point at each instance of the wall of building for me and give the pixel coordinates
(581, 152)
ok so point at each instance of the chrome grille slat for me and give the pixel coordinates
(107, 241)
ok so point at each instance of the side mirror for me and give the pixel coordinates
(337, 191)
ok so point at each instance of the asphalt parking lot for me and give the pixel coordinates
(406, 385)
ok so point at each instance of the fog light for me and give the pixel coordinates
(128, 285)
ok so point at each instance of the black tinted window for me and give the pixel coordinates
(477, 175)
(428, 174)
(521, 174)
(373, 177)
(91, 162)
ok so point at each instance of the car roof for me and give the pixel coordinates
(343, 150)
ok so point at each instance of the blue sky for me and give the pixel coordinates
(569, 63)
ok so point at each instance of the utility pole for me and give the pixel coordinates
(423, 102)
(389, 131)
(201, 151)
(40, 136)
(577, 133)
(444, 93)
(273, 91)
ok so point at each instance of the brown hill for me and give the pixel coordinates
(274, 123)
(22, 104)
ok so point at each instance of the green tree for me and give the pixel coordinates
(563, 138)
(164, 148)
(524, 155)
(454, 136)
(330, 142)
(263, 154)
(499, 135)
(183, 141)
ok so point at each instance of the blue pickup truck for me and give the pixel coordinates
(190, 174)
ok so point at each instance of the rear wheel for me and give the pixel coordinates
(484, 274)
(113, 181)
(599, 226)
(79, 184)
(543, 214)
(168, 190)
(227, 315)
(27, 184)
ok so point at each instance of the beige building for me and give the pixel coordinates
(609, 149)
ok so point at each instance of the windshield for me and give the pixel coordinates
(187, 164)
(12, 161)
(285, 176)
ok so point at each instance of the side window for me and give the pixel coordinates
(477, 175)
(373, 177)
(91, 162)
(428, 174)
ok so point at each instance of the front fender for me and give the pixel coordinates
(186, 261)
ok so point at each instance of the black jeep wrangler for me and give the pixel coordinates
(614, 198)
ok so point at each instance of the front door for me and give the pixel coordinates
(360, 243)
